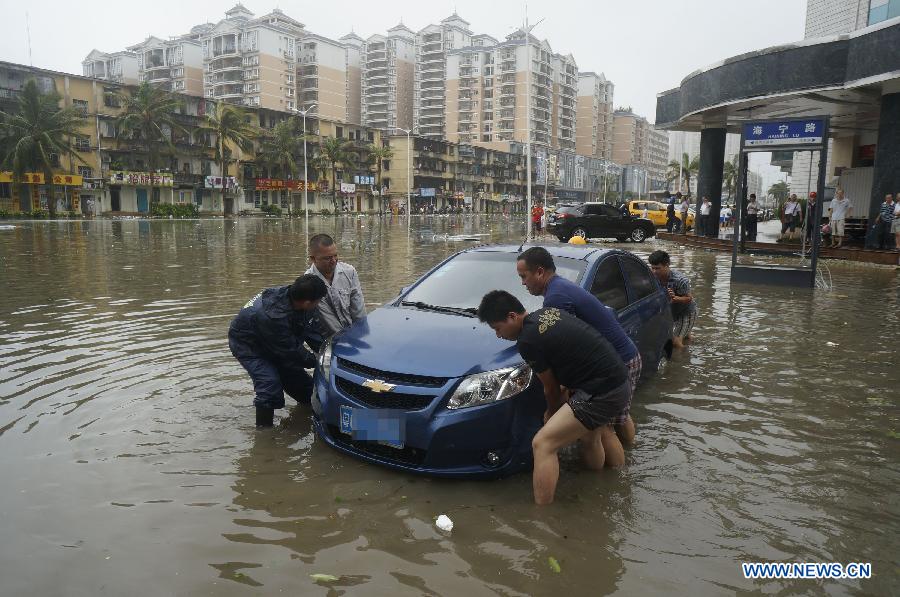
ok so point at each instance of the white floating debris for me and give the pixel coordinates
(7, 227)
(444, 523)
(831, 344)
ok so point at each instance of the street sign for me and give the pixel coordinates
(788, 132)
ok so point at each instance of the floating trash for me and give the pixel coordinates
(444, 523)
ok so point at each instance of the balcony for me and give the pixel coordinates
(225, 91)
(226, 64)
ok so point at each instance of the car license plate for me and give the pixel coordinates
(385, 426)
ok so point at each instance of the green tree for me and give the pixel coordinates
(730, 176)
(281, 148)
(688, 167)
(36, 134)
(378, 155)
(148, 118)
(229, 125)
(780, 190)
(338, 153)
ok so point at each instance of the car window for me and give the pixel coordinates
(640, 280)
(592, 210)
(568, 209)
(659, 207)
(609, 210)
(608, 285)
(465, 279)
(639, 205)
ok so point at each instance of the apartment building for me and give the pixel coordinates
(173, 64)
(353, 46)
(636, 142)
(388, 79)
(454, 175)
(594, 115)
(115, 67)
(432, 44)
(836, 17)
(487, 93)
(252, 61)
(323, 77)
(565, 94)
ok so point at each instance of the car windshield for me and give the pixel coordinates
(464, 280)
(568, 209)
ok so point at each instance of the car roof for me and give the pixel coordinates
(584, 253)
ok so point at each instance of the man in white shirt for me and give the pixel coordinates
(703, 227)
(752, 217)
(840, 205)
(344, 302)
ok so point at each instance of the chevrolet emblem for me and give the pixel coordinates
(378, 386)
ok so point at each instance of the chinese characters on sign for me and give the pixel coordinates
(140, 179)
(791, 132)
(215, 182)
(275, 184)
(348, 187)
(69, 180)
(364, 180)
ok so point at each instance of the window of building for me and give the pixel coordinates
(385, 164)
(85, 172)
(609, 286)
(80, 105)
(82, 143)
(5, 190)
(882, 10)
(339, 132)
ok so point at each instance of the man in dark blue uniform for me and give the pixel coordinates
(267, 338)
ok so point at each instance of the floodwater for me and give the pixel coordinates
(130, 464)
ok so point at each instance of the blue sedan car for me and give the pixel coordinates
(420, 385)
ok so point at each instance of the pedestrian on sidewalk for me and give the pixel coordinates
(703, 228)
(670, 212)
(789, 217)
(752, 217)
(683, 208)
(840, 205)
(895, 224)
(810, 222)
(885, 221)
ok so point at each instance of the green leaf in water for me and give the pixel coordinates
(894, 434)
(554, 565)
(323, 577)
(337, 499)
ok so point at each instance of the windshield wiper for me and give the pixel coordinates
(467, 311)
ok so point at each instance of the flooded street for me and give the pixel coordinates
(130, 463)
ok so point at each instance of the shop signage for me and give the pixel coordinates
(275, 184)
(140, 179)
(215, 182)
(348, 187)
(426, 192)
(69, 180)
(364, 180)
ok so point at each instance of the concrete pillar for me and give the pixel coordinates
(709, 179)
(886, 175)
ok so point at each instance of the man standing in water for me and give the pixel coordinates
(538, 274)
(562, 349)
(267, 338)
(343, 303)
(678, 287)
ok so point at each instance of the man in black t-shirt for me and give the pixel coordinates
(562, 349)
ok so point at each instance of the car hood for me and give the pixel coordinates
(409, 340)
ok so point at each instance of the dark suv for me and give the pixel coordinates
(598, 220)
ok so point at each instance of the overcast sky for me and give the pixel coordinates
(643, 46)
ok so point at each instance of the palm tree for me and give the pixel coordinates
(148, 116)
(379, 154)
(337, 152)
(230, 124)
(688, 166)
(280, 149)
(730, 175)
(37, 132)
(780, 190)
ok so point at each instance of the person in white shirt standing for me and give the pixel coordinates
(344, 302)
(752, 217)
(789, 217)
(840, 205)
(703, 229)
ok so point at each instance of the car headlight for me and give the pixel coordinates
(490, 386)
(325, 359)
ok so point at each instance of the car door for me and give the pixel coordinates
(608, 284)
(592, 220)
(658, 214)
(647, 317)
(613, 222)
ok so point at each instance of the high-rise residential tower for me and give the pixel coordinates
(388, 79)
(432, 44)
(594, 125)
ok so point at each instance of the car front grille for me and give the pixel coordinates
(406, 455)
(382, 399)
(405, 379)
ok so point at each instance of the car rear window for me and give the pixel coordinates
(465, 279)
(569, 209)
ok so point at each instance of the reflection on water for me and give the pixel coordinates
(130, 463)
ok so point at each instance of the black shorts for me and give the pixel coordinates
(599, 410)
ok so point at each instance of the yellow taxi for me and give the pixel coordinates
(656, 212)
